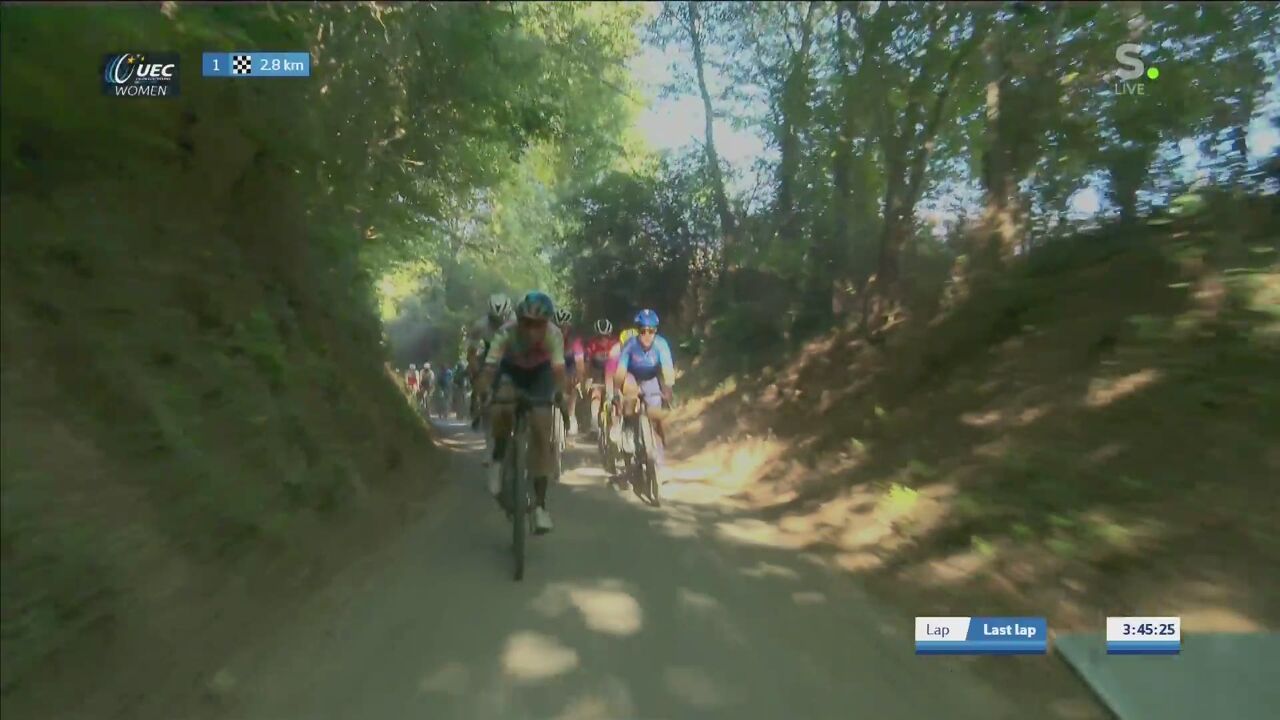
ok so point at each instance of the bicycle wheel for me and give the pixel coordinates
(517, 498)
(557, 441)
(648, 461)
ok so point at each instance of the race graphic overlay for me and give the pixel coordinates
(140, 74)
(241, 64)
(256, 64)
(981, 636)
(1144, 635)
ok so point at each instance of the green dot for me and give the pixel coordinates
(1153, 73)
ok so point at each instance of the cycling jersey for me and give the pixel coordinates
(573, 348)
(647, 364)
(411, 380)
(447, 377)
(481, 334)
(598, 349)
(509, 347)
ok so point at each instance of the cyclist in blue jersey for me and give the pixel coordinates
(645, 369)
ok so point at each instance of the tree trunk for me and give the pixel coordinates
(728, 223)
(794, 107)
(1002, 216)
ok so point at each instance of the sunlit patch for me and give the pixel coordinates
(764, 569)
(607, 699)
(677, 527)
(809, 598)
(694, 686)
(531, 657)
(605, 607)
(758, 532)
(694, 600)
(981, 419)
(1103, 392)
(952, 570)
(450, 679)
(861, 561)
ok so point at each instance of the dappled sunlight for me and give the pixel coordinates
(1103, 392)
(749, 531)
(607, 699)
(534, 657)
(694, 686)
(696, 601)
(677, 527)
(585, 477)
(765, 569)
(726, 468)
(604, 606)
(450, 679)
(809, 598)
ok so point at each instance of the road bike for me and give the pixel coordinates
(517, 481)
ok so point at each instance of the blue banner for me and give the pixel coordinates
(982, 636)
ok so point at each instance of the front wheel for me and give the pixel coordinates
(517, 497)
(557, 441)
(648, 460)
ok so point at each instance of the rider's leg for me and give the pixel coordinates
(540, 455)
(652, 391)
(571, 425)
(501, 416)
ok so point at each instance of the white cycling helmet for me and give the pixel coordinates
(413, 366)
(563, 316)
(604, 327)
(499, 305)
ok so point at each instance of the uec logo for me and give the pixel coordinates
(127, 67)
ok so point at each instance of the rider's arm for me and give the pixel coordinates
(497, 349)
(555, 348)
(668, 366)
(624, 363)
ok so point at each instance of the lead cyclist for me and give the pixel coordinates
(526, 355)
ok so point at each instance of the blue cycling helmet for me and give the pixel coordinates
(536, 306)
(647, 319)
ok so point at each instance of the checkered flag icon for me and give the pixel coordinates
(241, 64)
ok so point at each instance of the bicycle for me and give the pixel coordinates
(641, 464)
(557, 441)
(604, 426)
(517, 487)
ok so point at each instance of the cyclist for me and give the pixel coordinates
(446, 388)
(573, 362)
(645, 370)
(411, 381)
(599, 355)
(426, 383)
(460, 385)
(479, 338)
(528, 355)
(611, 369)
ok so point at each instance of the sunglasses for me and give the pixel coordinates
(648, 331)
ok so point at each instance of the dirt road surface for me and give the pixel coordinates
(626, 611)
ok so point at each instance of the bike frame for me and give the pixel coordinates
(517, 485)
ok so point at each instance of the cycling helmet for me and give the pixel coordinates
(604, 327)
(563, 316)
(536, 306)
(499, 305)
(647, 319)
(413, 366)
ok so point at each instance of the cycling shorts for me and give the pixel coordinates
(537, 381)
